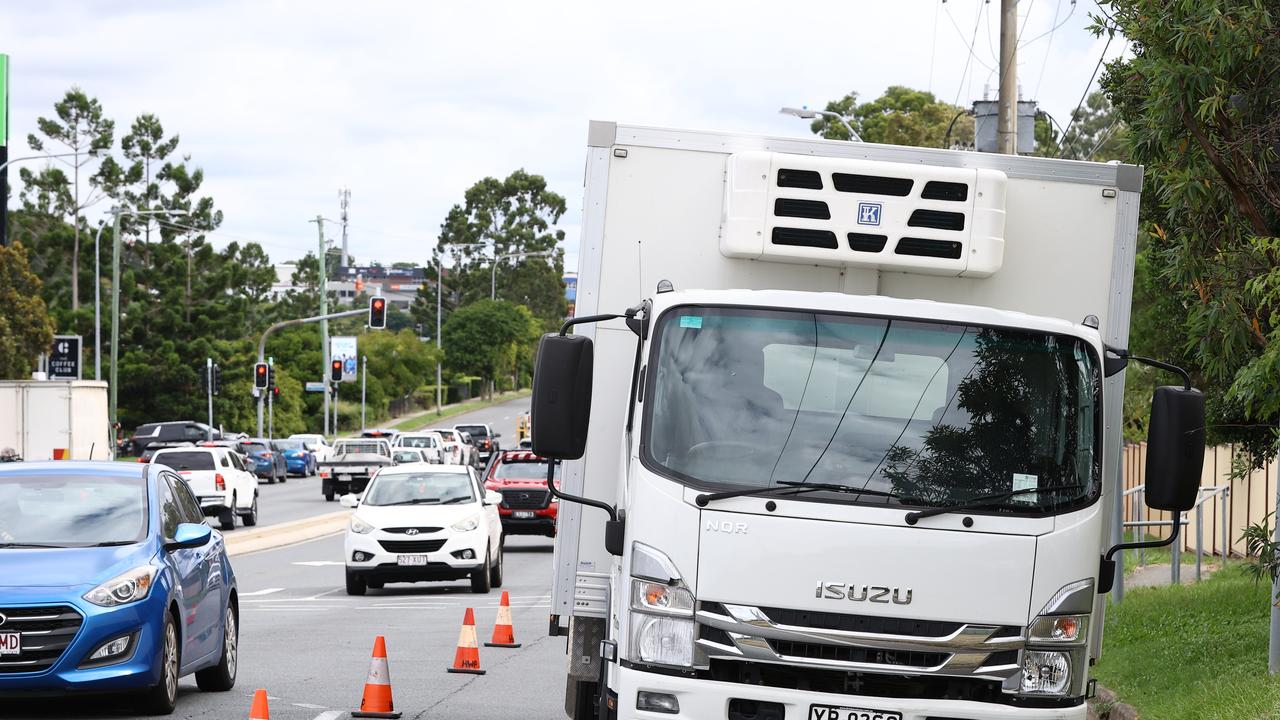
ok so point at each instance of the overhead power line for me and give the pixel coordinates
(1053, 26)
(1110, 36)
(972, 55)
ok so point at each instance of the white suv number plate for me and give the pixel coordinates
(411, 560)
(831, 712)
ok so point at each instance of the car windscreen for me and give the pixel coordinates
(249, 448)
(422, 441)
(523, 470)
(185, 459)
(933, 412)
(426, 488)
(287, 444)
(407, 456)
(448, 435)
(473, 430)
(71, 511)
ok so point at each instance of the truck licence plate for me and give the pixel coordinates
(10, 643)
(411, 559)
(522, 514)
(344, 478)
(831, 712)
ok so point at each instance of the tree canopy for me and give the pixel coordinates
(25, 328)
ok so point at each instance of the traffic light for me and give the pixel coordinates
(217, 379)
(335, 371)
(260, 373)
(271, 375)
(275, 392)
(377, 312)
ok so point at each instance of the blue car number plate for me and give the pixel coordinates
(830, 712)
(10, 643)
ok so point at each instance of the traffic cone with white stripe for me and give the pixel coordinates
(504, 635)
(259, 709)
(467, 659)
(376, 702)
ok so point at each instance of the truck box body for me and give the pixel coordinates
(38, 417)
(957, 238)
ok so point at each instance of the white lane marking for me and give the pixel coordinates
(259, 593)
(329, 715)
(319, 563)
(309, 706)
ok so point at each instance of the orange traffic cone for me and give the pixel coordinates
(504, 635)
(467, 659)
(259, 710)
(376, 702)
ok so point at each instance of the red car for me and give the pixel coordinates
(527, 506)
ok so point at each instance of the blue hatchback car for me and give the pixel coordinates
(111, 582)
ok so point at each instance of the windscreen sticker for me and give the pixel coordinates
(1025, 482)
(691, 321)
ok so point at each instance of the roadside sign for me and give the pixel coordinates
(343, 348)
(65, 361)
(315, 387)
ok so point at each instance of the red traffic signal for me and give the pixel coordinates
(275, 391)
(377, 312)
(260, 371)
(335, 371)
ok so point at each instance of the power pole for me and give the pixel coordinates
(439, 291)
(1007, 117)
(344, 199)
(364, 375)
(324, 324)
(271, 400)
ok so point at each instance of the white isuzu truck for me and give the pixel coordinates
(841, 428)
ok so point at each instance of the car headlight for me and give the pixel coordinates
(360, 527)
(467, 524)
(124, 588)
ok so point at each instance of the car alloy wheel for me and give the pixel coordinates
(170, 668)
(230, 647)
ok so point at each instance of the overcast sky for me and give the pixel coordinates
(409, 103)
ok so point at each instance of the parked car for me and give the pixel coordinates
(527, 507)
(316, 444)
(264, 462)
(354, 463)
(169, 432)
(225, 488)
(408, 456)
(485, 439)
(431, 443)
(419, 523)
(297, 458)
(99, 560)
(458, 452)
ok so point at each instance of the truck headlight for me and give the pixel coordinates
(1045, 672)
(360, 527)
(124, 588)
(661, 640)
(662, 628)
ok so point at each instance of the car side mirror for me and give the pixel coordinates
(349, 501)
(497, 435)
(1175, 448)
(492, 497)
(561, 409)
(189, 535)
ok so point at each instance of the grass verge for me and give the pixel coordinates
(1193, 652)
(1156, 556)
(429, 417)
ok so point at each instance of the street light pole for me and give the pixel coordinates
(808, 114)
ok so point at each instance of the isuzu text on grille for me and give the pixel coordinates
(862, 593)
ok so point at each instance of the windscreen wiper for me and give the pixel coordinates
(417, 501)
(983, 501)
(28, 545)
(789, 488)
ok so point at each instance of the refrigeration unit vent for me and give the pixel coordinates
(892, 216)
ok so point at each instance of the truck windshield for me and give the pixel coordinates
(934, 413)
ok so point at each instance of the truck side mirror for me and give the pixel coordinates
(561, 406)
(1175, 448)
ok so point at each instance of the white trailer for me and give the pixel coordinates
(55, 419)
(923, 339)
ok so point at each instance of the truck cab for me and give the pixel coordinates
(823, 461)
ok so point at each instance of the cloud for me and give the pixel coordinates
(408, 103)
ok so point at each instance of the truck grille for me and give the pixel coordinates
(525, 499)
(857, 643)
(412, 546)
(46, 633)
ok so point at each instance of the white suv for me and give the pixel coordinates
(219, 479)
(429, 442)
(424, 522)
